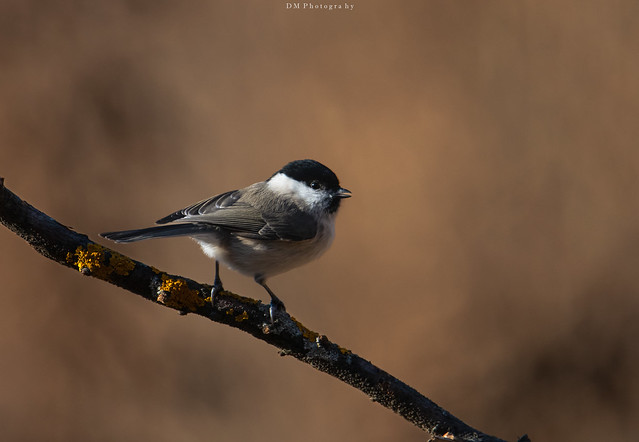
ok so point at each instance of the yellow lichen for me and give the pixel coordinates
(243, 317)
(120, 264)
(175, 293)
(100, 262)
(90, 260)
(308, 334)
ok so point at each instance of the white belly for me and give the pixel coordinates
(267, 257)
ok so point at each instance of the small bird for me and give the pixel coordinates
(261, 230)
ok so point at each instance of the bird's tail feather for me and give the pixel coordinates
(155, 232)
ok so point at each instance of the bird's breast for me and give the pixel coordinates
(268, 257)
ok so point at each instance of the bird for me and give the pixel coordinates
(262, 230)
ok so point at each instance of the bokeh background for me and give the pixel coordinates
(488, 257)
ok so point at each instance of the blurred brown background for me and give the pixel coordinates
(488, 257)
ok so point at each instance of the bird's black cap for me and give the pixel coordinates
(307, 171)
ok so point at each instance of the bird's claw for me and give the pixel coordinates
(217, 289)
(275, 306)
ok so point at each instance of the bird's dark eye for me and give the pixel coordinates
(315, 184)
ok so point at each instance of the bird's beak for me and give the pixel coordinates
(343, 193)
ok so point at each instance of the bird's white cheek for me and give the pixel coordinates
(283, 185)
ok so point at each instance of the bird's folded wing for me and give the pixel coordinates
(229, 211)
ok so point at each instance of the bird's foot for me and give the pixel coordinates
(276, 306)
(217, 289)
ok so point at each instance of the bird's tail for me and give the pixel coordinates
(155, 232)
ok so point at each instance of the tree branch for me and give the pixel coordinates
(57, 242)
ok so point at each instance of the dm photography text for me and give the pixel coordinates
(321, 6)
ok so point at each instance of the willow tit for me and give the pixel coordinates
(262, 230)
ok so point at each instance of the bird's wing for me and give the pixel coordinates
(233, 213)
(290, 223)
(203, 207)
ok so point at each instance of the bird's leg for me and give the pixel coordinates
(276, 303)
(217, 283)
